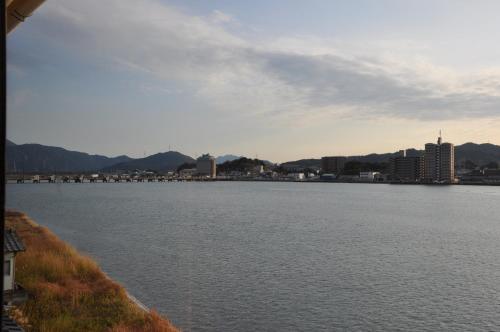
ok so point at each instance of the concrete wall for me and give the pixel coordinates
(8, 280)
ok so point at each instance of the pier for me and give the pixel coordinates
(43, 179)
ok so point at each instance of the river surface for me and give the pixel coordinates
(246, 256)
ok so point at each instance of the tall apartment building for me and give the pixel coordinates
(333, 164)
(439, 162)
(406, 169)
(205, 165)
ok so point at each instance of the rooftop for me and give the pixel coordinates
(9, 325)
(11, 242)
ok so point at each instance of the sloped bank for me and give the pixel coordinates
(68, 291)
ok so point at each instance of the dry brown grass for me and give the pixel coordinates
(68, 291)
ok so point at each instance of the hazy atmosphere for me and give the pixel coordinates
(282, 80)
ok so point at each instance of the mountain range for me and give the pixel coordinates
(31, 158)
(41, 158)
(479, 154)
(160, 162)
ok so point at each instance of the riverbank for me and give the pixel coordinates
(68, 291)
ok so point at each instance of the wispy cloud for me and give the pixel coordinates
(279, 77)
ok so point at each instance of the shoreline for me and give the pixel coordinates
(68, 291)
(272, 180)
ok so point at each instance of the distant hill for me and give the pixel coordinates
(240, 165)
(226, 157)
(31, 158)
(479, 154)
(302, 163)
(166, 161)
(384, 157)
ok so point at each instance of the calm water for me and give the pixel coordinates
(289, 256)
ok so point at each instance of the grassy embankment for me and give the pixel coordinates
(68, 291)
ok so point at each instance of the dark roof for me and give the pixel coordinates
(11, 242)
(9, 325)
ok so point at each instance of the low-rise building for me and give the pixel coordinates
(296, 176)
(13, 293)
(187, 172)
(259, 169)
(406, 169)
(12, 245)
(367, 176)
(486, 176)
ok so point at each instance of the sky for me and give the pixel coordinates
(275, 79)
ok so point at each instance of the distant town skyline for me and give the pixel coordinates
(281, 80)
